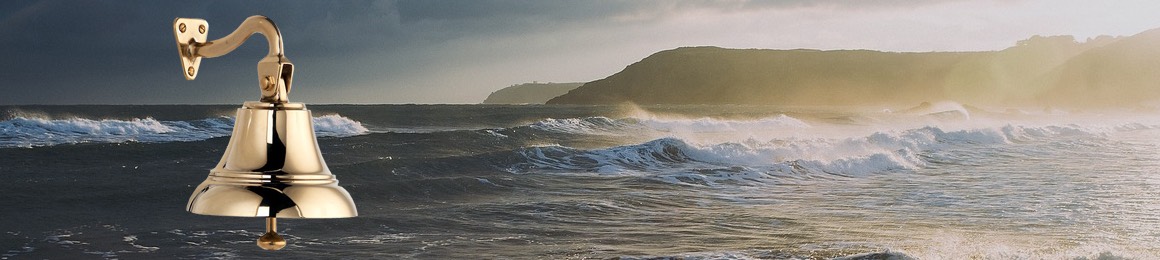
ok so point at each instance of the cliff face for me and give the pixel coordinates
(710, 75)
(1053, 70)
(1125, 72)
(529, 93)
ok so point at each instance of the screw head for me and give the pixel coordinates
(201, 29)
(189, 71)
(181, 27)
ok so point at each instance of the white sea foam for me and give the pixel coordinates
(35, 131)
(681, 160)
(132, 240)
(705, 124)
(337, 125)
(633, 125)
(587, 125)
(763, 254)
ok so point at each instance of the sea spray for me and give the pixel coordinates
(469, 181)
(37, 131)
(875, 153)
(338, 126)
(710, 125)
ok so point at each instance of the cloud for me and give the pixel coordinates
(123, 51)
(419, 50)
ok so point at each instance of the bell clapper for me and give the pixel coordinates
(271, 240)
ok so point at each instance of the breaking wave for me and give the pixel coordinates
(679, 160)
(604, 125)
(709, 125)
(35, 131)
(587, 125)
(335, 125)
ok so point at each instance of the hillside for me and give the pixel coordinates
(1124, 72)
(529, 93)
(1055, 70)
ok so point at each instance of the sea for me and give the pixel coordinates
(938, 181)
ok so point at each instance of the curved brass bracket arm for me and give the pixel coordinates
(275, 72)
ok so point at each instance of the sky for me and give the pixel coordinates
(431, 51)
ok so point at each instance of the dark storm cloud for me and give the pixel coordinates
(457, 10)
(67, 52)
(63, 52)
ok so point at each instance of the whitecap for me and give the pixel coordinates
(681, 161)
(710, 125)
(338, 126)
(587, 125)
(27, 132)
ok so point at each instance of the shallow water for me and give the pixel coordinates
(695, 182)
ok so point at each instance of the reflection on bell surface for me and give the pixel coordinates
(272, 167)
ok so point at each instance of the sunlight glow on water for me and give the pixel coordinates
(603, 182)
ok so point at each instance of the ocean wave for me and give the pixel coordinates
(613, 127)
(36, 131)
(604, 125)
(682, 161)
(335, 125)
(705, 124)
(762, 254)
(587, 125)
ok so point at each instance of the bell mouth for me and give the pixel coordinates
(272, 167)
(272, 200)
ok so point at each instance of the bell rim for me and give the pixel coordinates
(339, 205)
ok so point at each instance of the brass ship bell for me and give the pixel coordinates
(272, 167)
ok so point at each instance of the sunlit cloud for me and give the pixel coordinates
(458, 52)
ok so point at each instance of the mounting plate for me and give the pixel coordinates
(190, 32)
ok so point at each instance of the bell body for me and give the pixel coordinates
(272, 168)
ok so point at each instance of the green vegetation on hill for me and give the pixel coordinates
(529, 93)
(1125, 72)
(1054, 70)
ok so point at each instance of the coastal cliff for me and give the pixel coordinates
(1041, 70)
(529, 93)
